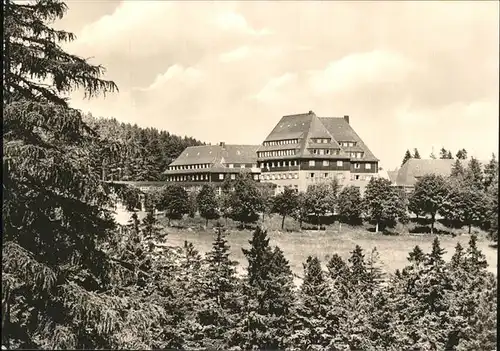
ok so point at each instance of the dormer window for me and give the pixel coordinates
(230, 165)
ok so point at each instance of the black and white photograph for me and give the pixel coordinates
(250, 175)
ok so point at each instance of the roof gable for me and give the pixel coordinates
(217, 154)
(342, 131)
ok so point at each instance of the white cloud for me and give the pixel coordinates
(178, 73)
(358, 69)
(408, 75)
(272, 91)
(236, 54)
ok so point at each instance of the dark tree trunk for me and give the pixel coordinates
(206, 222)
(317, 222)
(433, 219)
(470, 227)
(283, 223)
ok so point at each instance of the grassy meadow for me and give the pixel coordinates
(298, 245)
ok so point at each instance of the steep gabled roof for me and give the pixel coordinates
(342, 131)
(217, 154)
(290, 127)
(413, 169)
(305, 127)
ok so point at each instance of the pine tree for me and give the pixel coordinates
(150, 228)
(416, 154)
(311, 315)
(461, 154)
(56, 217)
(457, 170)
(474, 173)
(207, 203)
(219, 293)
(490, 172)
(449, 156)
(443, 153)
(406, 157)
(268, 292)
(285, 204)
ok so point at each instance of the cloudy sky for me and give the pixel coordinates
(409, 74)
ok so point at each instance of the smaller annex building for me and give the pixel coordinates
(413, 169)
(198, 165)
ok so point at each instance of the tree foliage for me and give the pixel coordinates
(383, 203)
(245, 200)
(285, 204)
(207, 203)
(350, 205)
(429, 196)
(406, 157)
(174, 200)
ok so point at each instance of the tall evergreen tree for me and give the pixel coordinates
(474, 173)
(490, 172)
(461, 154)
(416, 154)
(219, 294)
(443, 153)
(55, 209)
(406, 157)
(312, 312)
(457, 170)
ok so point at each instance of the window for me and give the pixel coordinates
(230, 165)
(340, 163)
(233, 176)
(326, 175)
(368, 177)
(289, 175)
(357, 166)
(356, 177)
(312, 175)
(312, 163)
(242, 166)
(368, 166)
(326, 163)
(254, 166)
(256, 176)
(321, 151)
(296, 175)
(221, 176)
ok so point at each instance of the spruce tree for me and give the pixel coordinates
(461, 154)
(491, 172)
(474, 173)
(457, 170)
(416, 154)
(268, 297)
(56, 217)
(311, 315)
(406, 157)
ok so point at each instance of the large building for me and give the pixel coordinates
(305, 149)
(198, 165)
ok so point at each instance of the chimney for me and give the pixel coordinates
(310, 112)
(222, 144)
(346, 117)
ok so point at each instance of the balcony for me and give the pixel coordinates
(280, 169)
